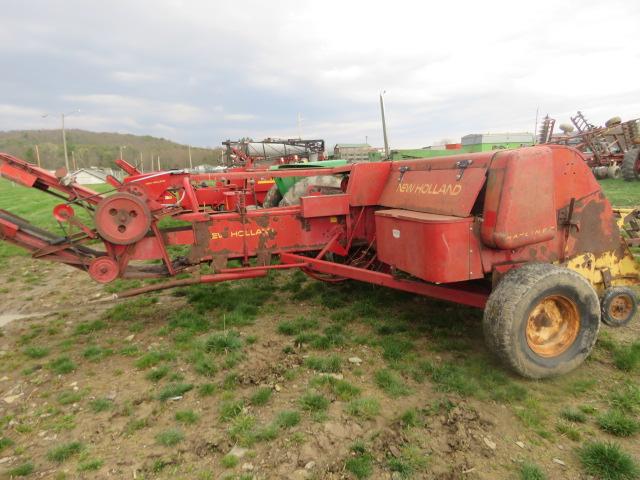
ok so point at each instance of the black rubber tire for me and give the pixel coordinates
(629, 172)
(326, 184)
(513, 299)
(609, 296)
(272, 198)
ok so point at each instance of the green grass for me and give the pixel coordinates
(169, 438)
(90, 465)
(153, 358)
(64, 451)
(36, 352)
(93, 326)
(360, 464)
(391, 383)
(100, 405)
(627, 357)
(5, 442)
(223, 343)
(297, 326)
(229, 409)
(568, 430)
(188, 417)
(411, 418)
(62, 365)
(626, 397)
(365, 408)
(95, 353)
(330, 364)
(287, 419)
(157, 374)
(620, 193)
(410, 461)
(261, 396)
(141, 308)
(607, 461)
(395, 348)
(313, 402)
(618, 423)
(22, 470)
(340, 388)
(68, 397)
(530, 471)
(174, 390)
(229, 461)
(573, 415)
(207, 389)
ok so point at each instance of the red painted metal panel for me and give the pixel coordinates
(257, 233)
(519, 206)
(366, 182)
(324, 205)
(441, 185)
(17, 175)
(7, 229)
(435, 248)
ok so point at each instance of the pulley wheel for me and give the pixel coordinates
(122, 218)
(104, 270)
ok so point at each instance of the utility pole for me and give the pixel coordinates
(64, 136)
(190, 162)
(141, 163)
(384, 127)
(73, 161)
(64, 143)
(38, 156)
(159, 163)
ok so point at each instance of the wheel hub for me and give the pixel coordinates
(104, 270)
(620, 307)
(552, 326)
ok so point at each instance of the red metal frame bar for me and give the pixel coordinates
(457, 294)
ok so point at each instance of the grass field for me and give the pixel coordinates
(287, 377)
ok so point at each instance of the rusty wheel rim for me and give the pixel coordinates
(620, 307)
(552, 326)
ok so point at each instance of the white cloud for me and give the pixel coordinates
(238, 117)
(134, 77)
(448, 67)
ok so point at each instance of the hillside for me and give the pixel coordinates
(101, 148)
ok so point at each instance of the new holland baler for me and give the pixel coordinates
(525, 234)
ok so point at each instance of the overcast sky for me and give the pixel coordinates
(199, 71)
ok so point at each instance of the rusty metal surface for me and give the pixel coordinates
(552, 326)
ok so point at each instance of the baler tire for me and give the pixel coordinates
(326, 184)
(510, 333)
(630, 171)
(614, 172)
(272, 198)
(631, 304)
